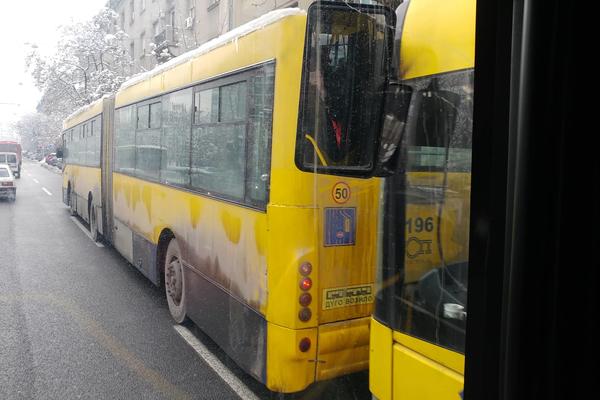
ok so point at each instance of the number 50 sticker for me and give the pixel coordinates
(341, 192)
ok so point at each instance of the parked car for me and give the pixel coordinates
(50, 158)
(7, 183)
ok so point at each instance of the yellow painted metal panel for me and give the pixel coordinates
(84, 180)
(178, 77)
(343, 348)
(289, 369)
(438, 36)
(86, 113)
(419, 378)
(292, 233)
(380, 360)
(448, 358)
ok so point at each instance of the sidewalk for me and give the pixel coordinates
(49, 167)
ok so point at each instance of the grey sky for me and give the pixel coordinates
(32, 21)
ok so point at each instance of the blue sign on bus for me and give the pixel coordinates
(340, 226)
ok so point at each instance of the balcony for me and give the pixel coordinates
(165, 38)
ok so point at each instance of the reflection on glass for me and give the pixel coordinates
(432, 296)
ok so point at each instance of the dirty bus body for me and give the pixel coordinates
(208, 186)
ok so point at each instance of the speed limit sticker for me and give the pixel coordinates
(341, 192)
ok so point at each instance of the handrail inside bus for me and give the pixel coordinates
(316, 146)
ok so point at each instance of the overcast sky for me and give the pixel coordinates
(30, 21)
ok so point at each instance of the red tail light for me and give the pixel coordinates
(305, 284)
(304, 345)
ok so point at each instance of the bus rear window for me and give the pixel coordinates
(344, 78)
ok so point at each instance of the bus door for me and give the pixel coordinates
(106, 164)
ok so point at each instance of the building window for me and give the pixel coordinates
(132, 12)
(143, 44)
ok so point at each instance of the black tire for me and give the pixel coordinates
(175, 282)
(94, 224)
(72, 200)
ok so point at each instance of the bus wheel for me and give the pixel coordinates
(175, 282)
(94, 224)
(72, 200)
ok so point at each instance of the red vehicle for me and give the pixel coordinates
(13, 147)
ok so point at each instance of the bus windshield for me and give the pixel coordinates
(437, 144)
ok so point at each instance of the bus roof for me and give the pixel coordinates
(437, 36)
(178, 72)
(83, 114)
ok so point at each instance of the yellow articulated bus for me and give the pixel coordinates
(230, 175)
(418, 327)
(82, 142)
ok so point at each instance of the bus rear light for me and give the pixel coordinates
(305, 299)
(305, 268)
(305, 314)
(304, 345)
(305, 284)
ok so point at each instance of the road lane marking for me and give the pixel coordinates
(87, 233)
(117, 348)
(230, 379)
(47, 191)
(35, 180)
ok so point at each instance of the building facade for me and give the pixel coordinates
(161, 29)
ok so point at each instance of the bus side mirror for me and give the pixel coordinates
(395, 114)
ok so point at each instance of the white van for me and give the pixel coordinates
(11, 160)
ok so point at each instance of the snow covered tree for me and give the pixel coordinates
(39, 132)
(90, 61)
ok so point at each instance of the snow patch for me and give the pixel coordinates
(231, 36)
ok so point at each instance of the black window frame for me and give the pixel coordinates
(243, 74)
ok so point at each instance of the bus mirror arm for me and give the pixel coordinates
(395, 113)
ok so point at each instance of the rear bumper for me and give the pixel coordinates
(343, 348)
(8, 191)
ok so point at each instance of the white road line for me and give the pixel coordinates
(47, 191)
(230, 379)
(36, 181)
(87, 233)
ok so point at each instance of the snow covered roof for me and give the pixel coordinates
(231, 36)
(85, 108)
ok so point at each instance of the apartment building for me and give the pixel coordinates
(161, 29)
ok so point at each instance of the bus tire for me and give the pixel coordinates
(175, 282)
(94, 224)
(72, 201)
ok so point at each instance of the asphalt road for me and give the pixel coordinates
(78, 322)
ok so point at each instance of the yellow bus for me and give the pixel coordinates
(418, 327)
(230, 176)
(82, 189)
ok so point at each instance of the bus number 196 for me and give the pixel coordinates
(419, 224)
